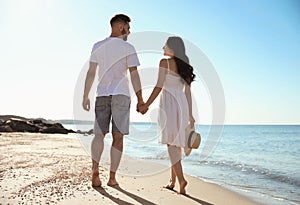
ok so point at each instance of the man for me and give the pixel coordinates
(113, 56)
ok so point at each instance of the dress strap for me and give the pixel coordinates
(168, 65)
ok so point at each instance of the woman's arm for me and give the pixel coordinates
(160, 82)
(189, 100)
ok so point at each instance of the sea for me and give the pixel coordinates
(261, 162)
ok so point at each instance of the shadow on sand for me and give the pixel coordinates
(141, 200)
(198, 200)
(193, 198)
(119, 201)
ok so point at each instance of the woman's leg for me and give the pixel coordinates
(182, 182)
(171, 184)
(175, 157)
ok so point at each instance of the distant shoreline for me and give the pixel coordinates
(133, 122)
(87, 122)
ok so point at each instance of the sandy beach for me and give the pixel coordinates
(52, 169)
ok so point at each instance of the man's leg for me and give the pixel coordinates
(115, 157)
(101, 127)
(120, 127)
(96, 152)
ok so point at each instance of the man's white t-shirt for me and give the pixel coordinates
(114, 56)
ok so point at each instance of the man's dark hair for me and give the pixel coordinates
(120, 18)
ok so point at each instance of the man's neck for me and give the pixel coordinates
(113, 35)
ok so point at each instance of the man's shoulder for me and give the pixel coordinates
(126, 44)
(114, 43)
(99, 43)
(130, 48)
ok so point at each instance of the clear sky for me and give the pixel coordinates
(253, 45)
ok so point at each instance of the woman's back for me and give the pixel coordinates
(173, 79)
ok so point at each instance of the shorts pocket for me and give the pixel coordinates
(100, 107)
(123, 108)
(102, 103)
(121, 102)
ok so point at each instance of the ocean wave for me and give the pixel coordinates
(240, 167)
(254, 169)
(161, 156)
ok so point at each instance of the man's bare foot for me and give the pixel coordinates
(96, 182)
(182, 187)
(170, 186)
(112, 182)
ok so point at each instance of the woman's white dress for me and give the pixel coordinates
(173, 114)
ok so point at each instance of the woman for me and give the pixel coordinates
(174, 78)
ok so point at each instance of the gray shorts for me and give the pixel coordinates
(115, 108)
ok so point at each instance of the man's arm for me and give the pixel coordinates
(90, 76)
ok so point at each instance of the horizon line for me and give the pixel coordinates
(198, 123)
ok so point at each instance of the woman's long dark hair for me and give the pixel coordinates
(185, 70)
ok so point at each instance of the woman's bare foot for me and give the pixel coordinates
(182, 187)
(112, 182)
(170, 186)
(96, 182)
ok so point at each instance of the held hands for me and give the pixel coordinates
(142, 107)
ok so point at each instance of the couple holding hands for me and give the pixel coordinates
(113, 57)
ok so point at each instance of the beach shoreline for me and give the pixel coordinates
(54, 169)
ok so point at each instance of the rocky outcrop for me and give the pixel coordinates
(90, 132)
(20, 124)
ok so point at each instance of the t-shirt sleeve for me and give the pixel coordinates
(93, 55)
(132, 58)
